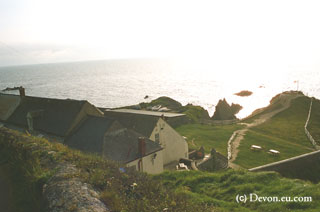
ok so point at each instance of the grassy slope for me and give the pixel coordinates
(220, 189)
(283, 132)
(314, 122)
(208, 136)
(249, 159)
(29, 162)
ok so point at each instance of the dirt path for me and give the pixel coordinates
(4, 193)
(285, 101)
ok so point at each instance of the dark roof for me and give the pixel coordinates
(140, 123)
(120, 145)
(123, 146)
(57, 116)
(90, 134)
(8, 103)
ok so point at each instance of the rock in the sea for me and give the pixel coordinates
(244, 93)
(224, 111)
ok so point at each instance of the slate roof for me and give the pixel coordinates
(90, 134)
(143, 124)
(57, 117)
(123, 146)
(8, 103)
(120, 145)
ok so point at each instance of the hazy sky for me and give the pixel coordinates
(231, 35)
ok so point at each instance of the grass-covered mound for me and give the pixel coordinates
(208, 136)
(164, 102)
(220, 189)
(283, 132)
(195, 113)
(30, 161)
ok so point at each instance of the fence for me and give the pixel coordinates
(230, 144)
(311, 139)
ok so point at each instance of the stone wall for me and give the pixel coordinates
(306, 167)
(234, 134)
(313, 142)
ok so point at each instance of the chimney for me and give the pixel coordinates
(142, 146)
(22, 91)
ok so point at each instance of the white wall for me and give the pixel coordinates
(150, 164)
(175, 147)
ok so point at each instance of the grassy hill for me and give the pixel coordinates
(220, 190)
(283, 132)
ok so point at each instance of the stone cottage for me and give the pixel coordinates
(112, 141)
(153, 126)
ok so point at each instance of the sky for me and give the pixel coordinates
(224, 35)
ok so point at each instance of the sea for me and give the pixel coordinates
(116, 83)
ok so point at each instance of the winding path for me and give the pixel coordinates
(235, 139)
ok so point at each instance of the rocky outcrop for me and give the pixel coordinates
(235, 108)
(224, 111)
(65, 192)
(162, 101)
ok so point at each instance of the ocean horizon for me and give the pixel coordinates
(117, 83)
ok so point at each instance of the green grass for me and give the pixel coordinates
(289, 124)
(283, 132)
(208, 136)
(314, 122)
(220, 189)
(249, 159)
(29, 164)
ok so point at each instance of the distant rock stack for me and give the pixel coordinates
(226, 112)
